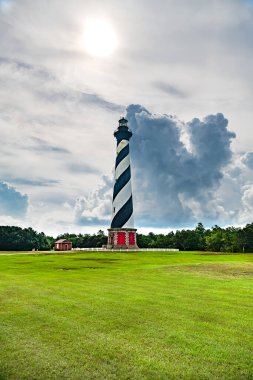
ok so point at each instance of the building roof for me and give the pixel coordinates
(62, 241)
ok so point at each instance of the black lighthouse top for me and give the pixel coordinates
(123, 132)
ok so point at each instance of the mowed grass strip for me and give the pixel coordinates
(148, 315)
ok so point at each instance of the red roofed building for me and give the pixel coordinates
(63, 245)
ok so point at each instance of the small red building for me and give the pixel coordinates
(63, 245)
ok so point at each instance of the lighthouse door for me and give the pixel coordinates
(131, 238)
(121, 238)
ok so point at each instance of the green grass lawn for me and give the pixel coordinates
(148, 315)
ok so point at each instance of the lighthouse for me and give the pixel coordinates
(122, 233)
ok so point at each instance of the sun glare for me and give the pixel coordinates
(100, 39)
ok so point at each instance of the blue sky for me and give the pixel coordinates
(182, 73)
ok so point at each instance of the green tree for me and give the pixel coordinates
(215, 239)
(200, 234)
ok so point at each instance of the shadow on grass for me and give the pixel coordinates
(80, 268)
(99, 260)
(216, 270)
(218, 254)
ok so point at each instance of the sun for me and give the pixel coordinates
(100, 39)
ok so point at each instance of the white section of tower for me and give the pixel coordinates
(130, 222)
(122, 166)
(123, 195)
(122, 145)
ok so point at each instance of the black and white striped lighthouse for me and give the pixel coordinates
(122, 233)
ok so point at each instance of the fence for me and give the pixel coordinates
(126, 249)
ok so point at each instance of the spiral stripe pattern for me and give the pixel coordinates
(122, 215)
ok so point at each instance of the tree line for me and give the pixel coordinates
(23, 239)
(217, 239)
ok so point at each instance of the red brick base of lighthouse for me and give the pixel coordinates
(122, 238)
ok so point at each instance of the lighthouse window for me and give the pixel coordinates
(113, 209)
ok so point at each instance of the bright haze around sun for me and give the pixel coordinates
(99, 37)
(70, 69)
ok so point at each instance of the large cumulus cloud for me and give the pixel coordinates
(174, 185)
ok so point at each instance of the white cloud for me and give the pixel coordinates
(247, 203)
